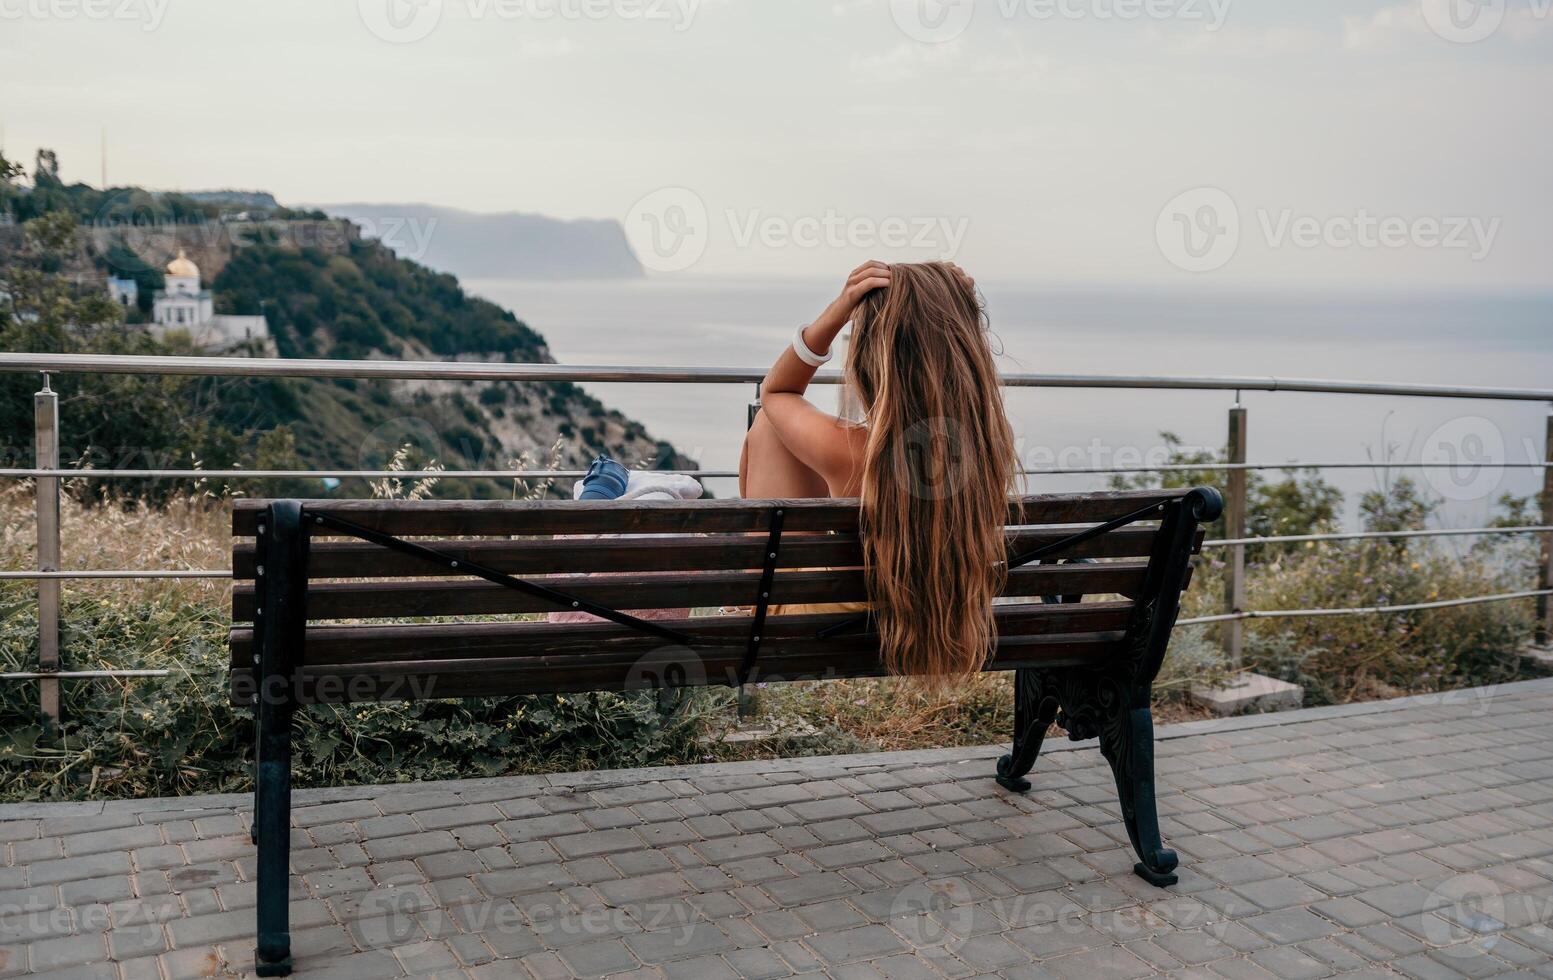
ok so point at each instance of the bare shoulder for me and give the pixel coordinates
(853, 438)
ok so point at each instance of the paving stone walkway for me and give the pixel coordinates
(1409, 837)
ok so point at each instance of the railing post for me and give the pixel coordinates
(746, 697)
(1545, 566)
(1232, 635)
(46, 453)
(749, 422)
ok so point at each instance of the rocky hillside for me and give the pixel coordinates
(327, 292)
(363, 302)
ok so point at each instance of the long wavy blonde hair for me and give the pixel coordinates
(939, 466)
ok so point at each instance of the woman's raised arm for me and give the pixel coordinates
(818, 439)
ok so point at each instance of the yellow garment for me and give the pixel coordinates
(818, 608)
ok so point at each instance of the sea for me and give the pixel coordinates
(1417, 336)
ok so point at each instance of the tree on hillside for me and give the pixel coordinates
(47, 168)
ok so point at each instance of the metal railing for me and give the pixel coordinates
(48, 473)
(282, 367)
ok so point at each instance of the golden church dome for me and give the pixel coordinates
(181, 266)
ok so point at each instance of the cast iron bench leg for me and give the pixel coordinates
(283, 621)
(1094, 705)
(1034, 712)
(1128, 744)
(272, 807)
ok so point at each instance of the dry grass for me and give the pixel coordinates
(192, 531)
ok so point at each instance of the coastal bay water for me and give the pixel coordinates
(1418, 336)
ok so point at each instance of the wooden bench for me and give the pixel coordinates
(313, 577)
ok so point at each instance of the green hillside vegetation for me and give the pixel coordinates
(357, 301)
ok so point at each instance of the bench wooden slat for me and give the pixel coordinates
(478, 517)
(579, 673)
(428, 643)
(358, 559)
(409, 599)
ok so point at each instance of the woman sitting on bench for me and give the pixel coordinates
(933, 460)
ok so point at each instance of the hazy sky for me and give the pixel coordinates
(1192, 141)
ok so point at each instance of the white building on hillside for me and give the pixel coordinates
(185, 306)
(125, 292)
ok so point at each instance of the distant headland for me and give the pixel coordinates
(496, 246)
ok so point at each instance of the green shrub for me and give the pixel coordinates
(179, 734)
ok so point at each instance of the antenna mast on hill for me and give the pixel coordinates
(105, 158)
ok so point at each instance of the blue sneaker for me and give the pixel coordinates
(606, 480)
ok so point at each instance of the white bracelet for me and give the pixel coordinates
(809, 357)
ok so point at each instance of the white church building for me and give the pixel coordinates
(185, 306)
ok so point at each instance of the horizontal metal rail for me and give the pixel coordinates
(117, 573)
(37, 675)
(281, 367)
(153, 474)
(1379, 535)
(1293, 465)
(72, 473)
(1360, 610)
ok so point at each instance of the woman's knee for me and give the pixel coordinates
(762, 437)
(767, 468)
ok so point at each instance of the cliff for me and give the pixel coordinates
(497, 246)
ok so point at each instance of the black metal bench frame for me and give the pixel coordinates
(1110, 701)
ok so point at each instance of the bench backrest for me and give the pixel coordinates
(663, 555)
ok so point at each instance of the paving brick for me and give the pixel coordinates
(737, 848)
(411, 846)
(204, 930)
(541, 828)
(1278, 893)
(598, 959)
(67, 951)
(596, 842)
(759, 964)
(311, 816)
(118, 839)
(447, 818)
(847, 855)
(1288, 926)
(685, 942)
(78, 868)
(643, 888)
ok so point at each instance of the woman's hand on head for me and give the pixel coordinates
(864, 279)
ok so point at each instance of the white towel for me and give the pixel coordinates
(648, 485)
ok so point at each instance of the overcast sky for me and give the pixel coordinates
(1191, 141)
